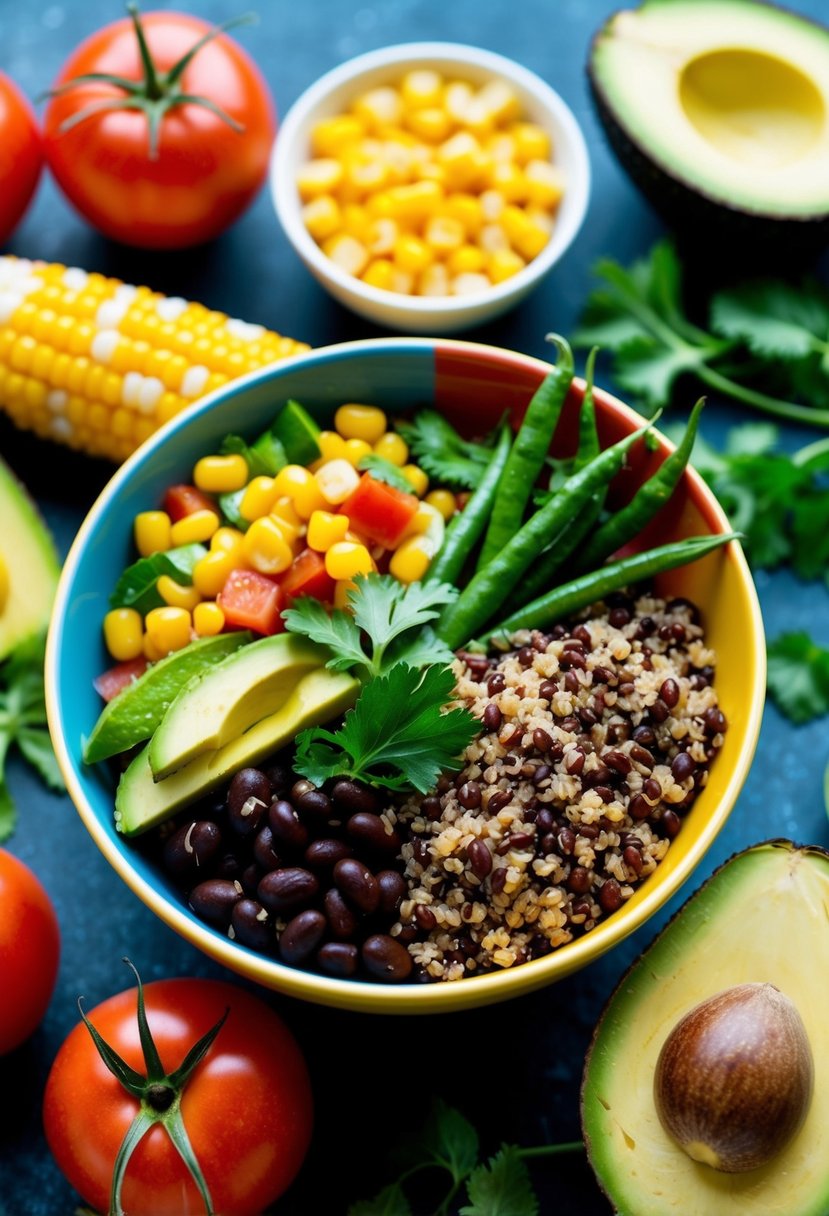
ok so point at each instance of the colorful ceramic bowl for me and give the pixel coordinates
(473, 385)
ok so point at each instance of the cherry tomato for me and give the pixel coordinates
(29, 951)
(252, 601)
(186, 500)
(21, 155)
(109, 683)
(247, 1109)
(205, 172)
(308, 576)
(379, 511)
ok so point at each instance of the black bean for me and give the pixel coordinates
(588, 830)
(192, 849)
(425, 917)
(280, 777)
(248, 798)
(480, 858)
(671, 823)
(338, 958)
(572, 658)
(618, 761)
(526, 656)
(610, 895)
(251, 877)
(430, 807)
(603, 675)
(286, 825)
(350, 797)
(605, 792)
(214, 900)
(633, 859)
(386, 959)
(647, 627)
(370, 830)
(618, 617)
(229, 866)
(301, 936)
(652, 789)
(392, 889)
(570, 725)
(682, 767)
(299, 788)
(582, 634)
(357, 884)
(644, 736)
(264, 852)
(314, 804)
(252, 926)
(407, 935)
(579, 880)
(641, 755)
(498, 800)
(574, 761)
(669, 692)
(420, 850)
(325, 853)
(659, 711)
(496, 683)
(714, 721)
(599, 775)
(566, 840)
(288, 888)
(492, 717)
(341, 918)
(678, 633)
(498, 880)
(547, 689)
(639, 807)
(469, 795)
(541, 774)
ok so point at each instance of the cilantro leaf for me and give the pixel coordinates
(391, 1201)
(448, 1139)
(336, 630)
(774, 319)
(442, 452)
(36, 747)
(383, 470)
(798, 676)
(649, 368)
(396, 736)
(501, 1186)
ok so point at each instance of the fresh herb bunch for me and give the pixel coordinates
(23, 723)
(798, 677)
(766, 331)
(443, 453)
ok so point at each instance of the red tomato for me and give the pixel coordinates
(29, 951)
(185, 500)
(252, 601)
(21, 155)
(379, 511)
(109, 683)
(247, 1108)
(308, 576)
(204, 172)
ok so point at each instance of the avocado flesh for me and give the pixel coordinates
(29, 566)
(727, 97)
(761, 917)
(229, 698)
(142, 803)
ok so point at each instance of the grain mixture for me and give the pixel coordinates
(596, 739)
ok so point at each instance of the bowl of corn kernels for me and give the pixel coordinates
(430, 186)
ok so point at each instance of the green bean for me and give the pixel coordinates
(529, 451)
(589, 446)
(466, 528)
(491, 586)
(597, 584)
(648, 499)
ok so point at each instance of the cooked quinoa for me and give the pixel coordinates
(595, 740)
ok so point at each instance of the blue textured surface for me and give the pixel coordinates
(515, 1069)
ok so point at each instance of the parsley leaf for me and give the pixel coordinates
(501, 1186)
(450, 1140)
(798, 676)
(391, 1201)
(396, 736)
(335, 630)
(383, 470)
(773, 319)
(442, 452)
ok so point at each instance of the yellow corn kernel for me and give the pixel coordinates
(227, 540)
(421, 87)
(326, 529)
(492, 204)
(152, 532)
(345, 560)
(503, 264)
(168, 629)
(466, 259)
(355, 421)
(413, 254)
(208, 619)
(346, 252)
(378, 108)
(414, 203)
(501, 147)
(362, 177)
(510, 182)
(380, 274)
(320, 176)
(298, 484)
(330, 135)
(195, 528)
(152, 652)
(381, 235)
(500, 100)
(444, 234)
(411, 559)
(341, 590)
(531, 142)
(266, 548)
(337, 481)
(322, 216)
(331, 445)
(392, 447)
(211, 573)
(285, 514)
(443, 501)
(355, 450)
(434, 281)
(417, 478)
(177, 595)
(221, 474)
(545, 184)
(526, 237)
(456, 100)
(258, 498)
(356, 221)
(431, 123)
(469, 284)
(124, 634)
(465, 161)
(492, 238)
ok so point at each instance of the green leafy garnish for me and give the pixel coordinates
(23, 723)
(264, 457)
(383, 470)
(798, 676)
(136, 588)
(442, 452)
(765, 330)
(501, 1185)
(229, 505)
(396, 736)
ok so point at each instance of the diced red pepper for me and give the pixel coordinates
(379, 511)
(186, 500)
(308, 576)
(251, 600)
(110, 683)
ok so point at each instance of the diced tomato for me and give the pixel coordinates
(186, 500)
(252, 601)
(379, 511)
(308, 576)
(110, 683)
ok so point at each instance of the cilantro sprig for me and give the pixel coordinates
(442, 452)
(23, 724)
(448, 1145)
(766, 330)
(798, 676)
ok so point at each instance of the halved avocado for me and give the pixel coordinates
(29, 565)
(762, 917)
(719, 110)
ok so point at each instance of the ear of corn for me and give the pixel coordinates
(99, 365)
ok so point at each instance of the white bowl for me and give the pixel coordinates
(334, 92)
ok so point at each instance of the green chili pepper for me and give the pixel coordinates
(529, 451)
(597, 584)
(648, 499)
(491, 586)
(589, 446)
(466, 528)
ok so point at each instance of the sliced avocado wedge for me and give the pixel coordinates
(720, 109)
(141, 803)
(762, 917)
(29, 566)
(227, 699)
(134, 714)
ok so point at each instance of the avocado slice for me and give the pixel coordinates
(719, 110)
(761, 917)
(225, 700)
(134, 714)
(29, 565)
(141, 803)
